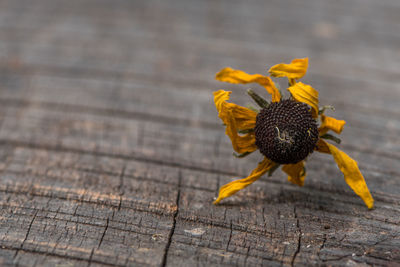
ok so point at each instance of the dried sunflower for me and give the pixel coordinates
(285, 131)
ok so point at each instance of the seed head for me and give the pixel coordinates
(285, 131)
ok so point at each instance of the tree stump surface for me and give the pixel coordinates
(112, 151)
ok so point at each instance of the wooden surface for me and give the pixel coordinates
(111, 150)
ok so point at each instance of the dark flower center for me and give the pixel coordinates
(285, 131)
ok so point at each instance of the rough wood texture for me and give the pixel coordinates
(111, 151)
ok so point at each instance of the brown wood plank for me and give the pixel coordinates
(111, 151)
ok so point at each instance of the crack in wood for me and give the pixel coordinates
(27, 234)
(322, 246)
(299, 238)
(121, 183)
(104, 233)
(61, 256)
(247, 255)
(230, 237)
(90, 257)
(175, 215)
(121, 187)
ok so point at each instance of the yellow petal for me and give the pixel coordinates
(352, 174)
(322, 147)
(240, 143)
(296, 172)
(220, 97)
(237, 76)
(232, 187)
(305, 93)
(236, 118)
(244, 118)
(329, 123)
(295, 70)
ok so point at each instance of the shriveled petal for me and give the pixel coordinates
(295, 70)
(322, 147)
(245, 118)
(296, 173)
(220, 98)
(237, 76)
(232, 187)
(240, 143)
(236, 118)
(305, 93)
(352, 174)
(329, 123)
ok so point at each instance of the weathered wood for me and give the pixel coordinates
(111, 151)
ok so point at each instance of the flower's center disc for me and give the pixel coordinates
(285, 131)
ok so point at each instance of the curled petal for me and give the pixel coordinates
(305, 93)
(237, 76)
(244, 118)
(352, 174)
(240, 143)
(329, 123)
(220, 97)
(232, 187)
(295, 70)
(296, 173)
(236, 118)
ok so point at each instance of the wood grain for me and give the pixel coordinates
(111, 152)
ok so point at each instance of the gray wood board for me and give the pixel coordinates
(112, 152)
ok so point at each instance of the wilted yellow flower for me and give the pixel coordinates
(285, 131)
